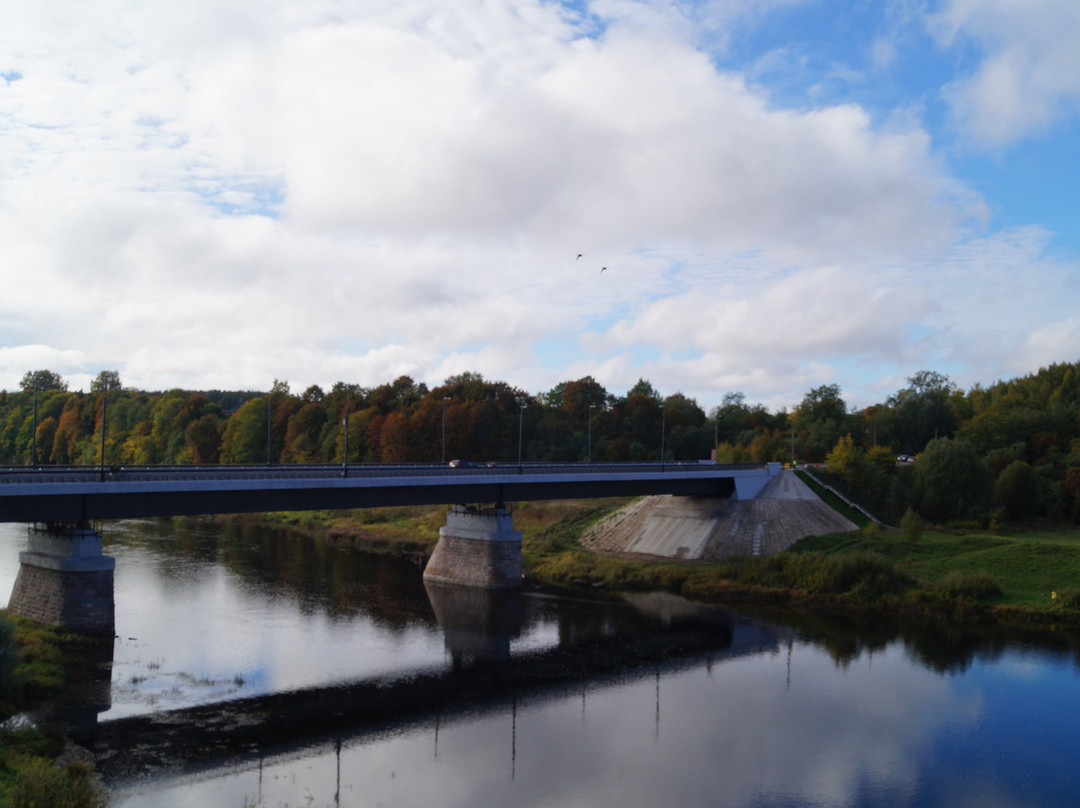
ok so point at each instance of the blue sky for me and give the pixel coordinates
(786, 193)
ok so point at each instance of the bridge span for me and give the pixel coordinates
(80, 494)
(65, 579)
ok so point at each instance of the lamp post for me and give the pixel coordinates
(269, 395)
(444, 400)
(33, 438)
(345, 453)
(104, 413)
(521, 426)
(591, 408)
(663, 431)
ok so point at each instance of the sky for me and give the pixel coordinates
(766, 196)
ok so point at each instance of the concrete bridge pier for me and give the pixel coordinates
(64, 580)
(479, 547)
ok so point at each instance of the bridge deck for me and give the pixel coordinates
(81, 493)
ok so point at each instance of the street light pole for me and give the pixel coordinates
(591, 408)
(521, 426)
(104, 413)
(444, 400)
(269, 395)
(345, 453)
(663, 432)
(33, 440)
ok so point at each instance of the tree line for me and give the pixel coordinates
(1012, 447)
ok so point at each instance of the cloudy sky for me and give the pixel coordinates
(785, 193)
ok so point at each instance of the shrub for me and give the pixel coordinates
(1069, 597)
(968, 586)
(41, 784)
(912, 525)
(8, 654)
(864, 575)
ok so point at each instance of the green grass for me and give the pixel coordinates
(833, 501)
(27, 774)
(1028, 566)
(883, 568)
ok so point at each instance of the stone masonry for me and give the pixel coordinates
(64, 580)
(477, 547)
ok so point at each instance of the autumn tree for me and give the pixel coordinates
(244, 440)
(203, 437)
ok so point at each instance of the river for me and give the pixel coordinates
(429, 697)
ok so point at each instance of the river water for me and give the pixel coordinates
(763, 714)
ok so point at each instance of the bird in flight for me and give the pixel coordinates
(579, 256)
(603, 269)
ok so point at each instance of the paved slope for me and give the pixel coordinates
(785, 511)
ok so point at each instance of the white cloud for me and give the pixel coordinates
(220, 194)
(1028, 78)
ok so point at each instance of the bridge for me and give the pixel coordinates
(64, 578)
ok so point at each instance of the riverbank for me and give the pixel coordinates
(29, 746)
(1023, 574)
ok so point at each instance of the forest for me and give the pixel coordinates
(1007, 451)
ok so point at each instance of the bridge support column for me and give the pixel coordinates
(64, 580)
(477, 547)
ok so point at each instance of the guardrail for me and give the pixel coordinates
(65, 474)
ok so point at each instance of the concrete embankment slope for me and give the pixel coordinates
(783, 512)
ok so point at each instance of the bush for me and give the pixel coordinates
(8, 655)
(912, 525)
(968, 586)
(864, 575)
(1069, 597)
(43, 784)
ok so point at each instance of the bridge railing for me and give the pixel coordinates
(65, 474)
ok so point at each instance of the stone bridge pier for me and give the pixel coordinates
(64, 579)
(478, 546)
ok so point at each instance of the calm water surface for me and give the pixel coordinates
(807, 714)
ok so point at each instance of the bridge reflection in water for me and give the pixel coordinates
(479, 628)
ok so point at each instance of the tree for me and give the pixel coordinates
(106, 380)
(203, 438)
(244, 440)
(820, 404)
(951, 481)
(820, 419)
(1017, 490)
(40, 380)
(643, 388)
(843, 460)
(925, 409)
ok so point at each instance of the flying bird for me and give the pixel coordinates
(579, 256)
(603, 269)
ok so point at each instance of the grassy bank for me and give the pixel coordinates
(28, 774)
(1027, 576)
(1010, 575)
